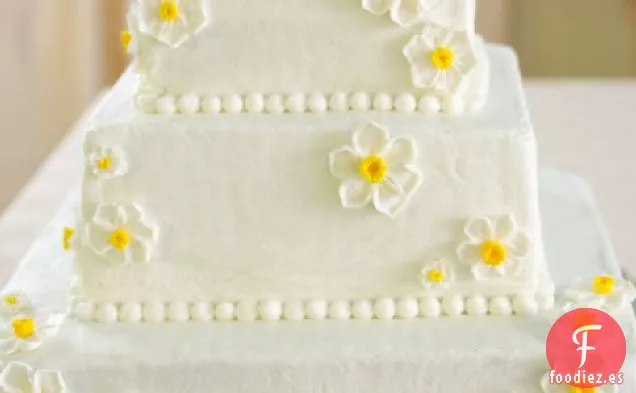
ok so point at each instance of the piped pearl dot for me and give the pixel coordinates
(147, 103)
(275, 105)
(385, 309)
(407, 308)
(383, 102)
(476, 305)
(429, 105)
(339, 310)
(233, 103)
(270, 310)
(255, 103)
(246, 310)
(166, 105)
(294, 311)
(524, 305)
(453, 105)
(106, 313)
(430, 307)
(296, 103)
(224, 312)
(84, 311)
(363, 309)
(405, 103)
(131, 313)
(178, 312)
(545, 300)
(211, 104)
(339, 102)
(201, 312)
(317, 103)
(453, 305)
(500, 306)
(154, 312)
(360, 102)
(188, 104)
(316, 309)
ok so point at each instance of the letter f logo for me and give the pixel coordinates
(583, 344)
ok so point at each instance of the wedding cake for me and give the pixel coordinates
(265, 165)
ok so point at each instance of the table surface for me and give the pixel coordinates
(584, 127)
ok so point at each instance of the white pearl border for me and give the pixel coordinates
(273, 310)
(190, 104)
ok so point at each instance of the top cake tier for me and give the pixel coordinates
(306, 55)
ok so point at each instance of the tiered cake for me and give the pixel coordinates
(270, 161)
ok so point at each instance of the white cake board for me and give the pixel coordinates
(446, 355)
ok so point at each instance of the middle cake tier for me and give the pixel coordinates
(303, 207)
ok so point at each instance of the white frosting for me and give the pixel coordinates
(211, 104)
(178, 312)
(294, 311)
(224, 311)
(84, 311)
(477, 305)
(131, 313)
(316, 309)
(429, 105)
(246, 310)
(524, 305)
(430, 307)
(339, 310)
(188, 104)
(154, 312)
(407, 308)
(106, 313)
(270, 310)
(201, 312)
(255, 103)
(500, 306)
(385, 309)
(362, 309)
(453, 305)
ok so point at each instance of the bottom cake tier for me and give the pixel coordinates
(445, 355)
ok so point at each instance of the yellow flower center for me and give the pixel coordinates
(604, 285)
(120, 238)
(23, 328)
(493, 253)
(574, 389)
(443, 58)
(169, 11)
(11, 300)
(435, 276)
(373, 169)
(68, 235)
(104, 163)
(126, 38)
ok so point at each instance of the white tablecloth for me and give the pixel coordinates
(583, 127)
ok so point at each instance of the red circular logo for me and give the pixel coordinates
(587, 345)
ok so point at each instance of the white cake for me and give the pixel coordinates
(266, 164)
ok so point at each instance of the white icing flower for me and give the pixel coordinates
(603, 292)
(495, 247)
(26, 333)
(376, 169)
(14, 302)
(403, 12)
(441, 59)
(108, 162)
(21, 378)
(565, 388)
(130, 38)
(437, 274)
(122, 233)
(172, 22)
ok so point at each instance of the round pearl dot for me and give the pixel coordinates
(275, 105)
(201, 312)
(317, 103)
(405, 103)
(233, 103)
(224, 311)
(453, 305)
(270, 310)
(360, 102)
(453, 105)
(154, 312)
(188, 104)
(130, 313)
(477, 305)
(178, 312)
(339, 102)
(246, 310)
(84, 311)
(166, 105)
(500, 306)
(106, 313)
(255, 103)
(296, 103)
(524, 305)
(545, 300)
(147, 103)
(363, 309)
(430, 307)
(211, 104)
(339, 310)
(383, 102)
(384, 309)
(316, 309)
(294, 311)
(430, 105)
(407, 308)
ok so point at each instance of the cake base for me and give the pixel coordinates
(446, 355)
